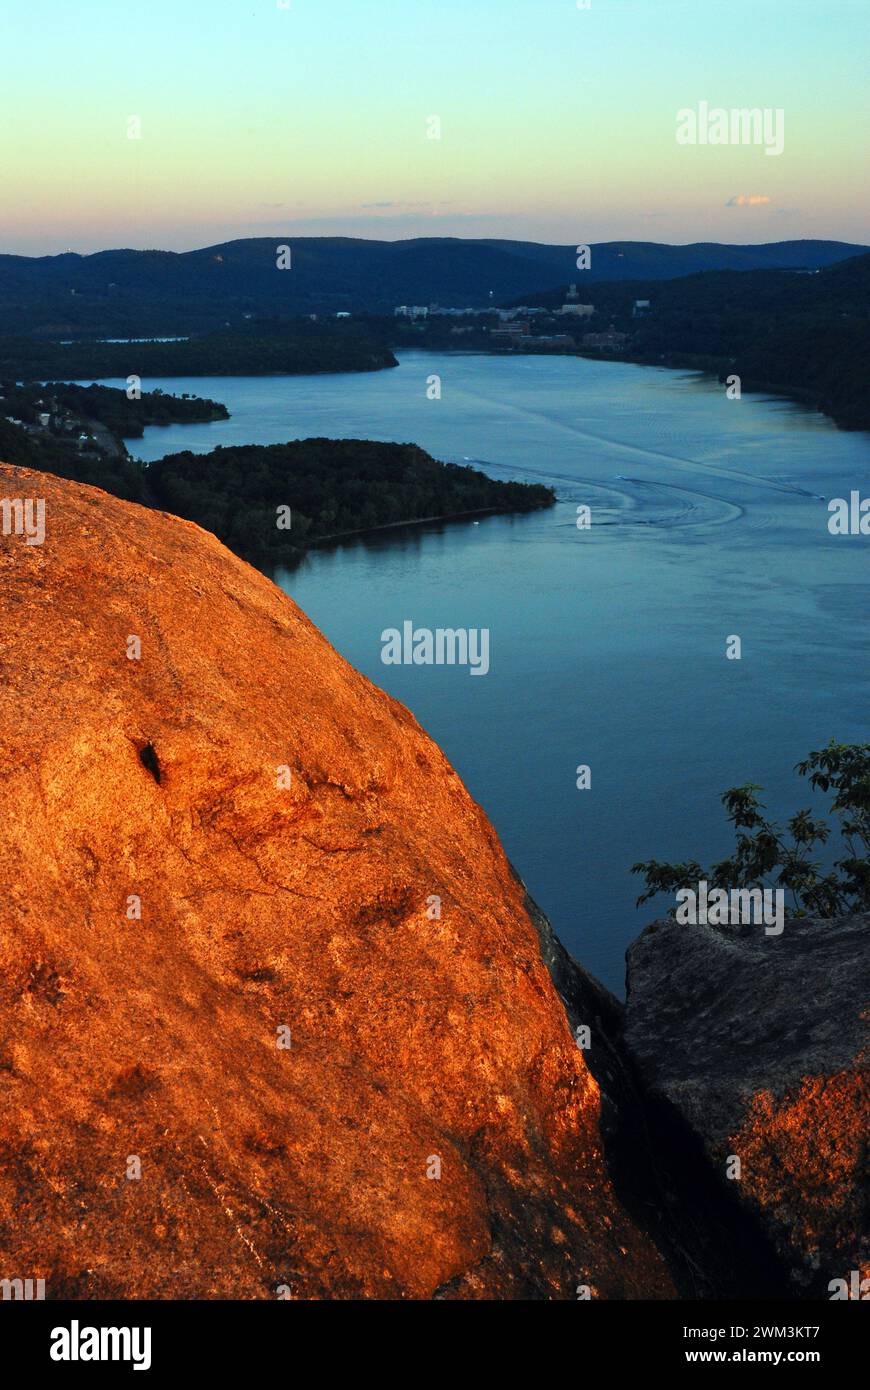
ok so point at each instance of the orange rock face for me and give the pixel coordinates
(805, 1160)
(264, 969)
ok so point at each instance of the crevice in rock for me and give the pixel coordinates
(657, 1166)
(148, 759)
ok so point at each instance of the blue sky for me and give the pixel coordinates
(556, 123)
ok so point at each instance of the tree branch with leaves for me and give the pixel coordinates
(765, 857)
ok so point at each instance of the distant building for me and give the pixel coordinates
(641, 307)
(609, 341)
(582, 311)
(554, 340)
(573, 293)
(509, 335)
(342, 314)
(411, 311)
(45, 420)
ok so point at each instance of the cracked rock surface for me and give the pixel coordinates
(235, 840)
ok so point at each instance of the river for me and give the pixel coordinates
(607, 644)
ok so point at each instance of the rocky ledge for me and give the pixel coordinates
(755, 1049)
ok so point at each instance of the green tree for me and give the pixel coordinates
(765, 857)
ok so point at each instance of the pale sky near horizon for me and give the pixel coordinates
(557, 123)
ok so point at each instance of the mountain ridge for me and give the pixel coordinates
(153, 291)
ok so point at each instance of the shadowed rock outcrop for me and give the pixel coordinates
(264, 968)
(758, 1045)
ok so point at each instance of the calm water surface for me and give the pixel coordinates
(607, 645)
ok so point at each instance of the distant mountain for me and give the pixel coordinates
(805, 335)
(151, 292)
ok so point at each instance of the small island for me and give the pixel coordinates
(269, 501)
(266, 502)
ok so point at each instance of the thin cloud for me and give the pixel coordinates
(748, 200)
(442, 204)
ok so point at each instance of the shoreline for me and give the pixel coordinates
(715, 368)
(421, 521)
(257, 557)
